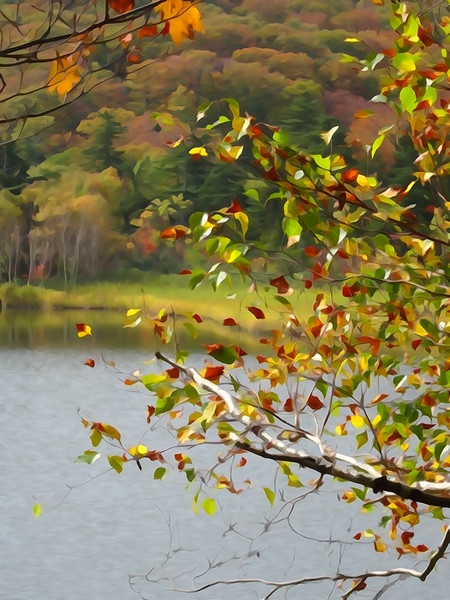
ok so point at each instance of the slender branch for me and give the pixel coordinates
(422, 575)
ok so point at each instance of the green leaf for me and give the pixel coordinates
(89, 457)
(270, 495)
(404, 62)
(163, 405)
(224, 354)
(116, 463)
(209, 506)
(377, 143)
(408, 99)
(160, 473)
(361, 439)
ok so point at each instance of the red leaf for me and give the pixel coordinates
(147, 31)
(311, 251)
(165, 30)
(235, 207)
(130, 381)
(314, 402)
(415, 344)
(239, 350)
(121, 6)
(197, 318)
(281, 284)
(264, 341)
(316, 328)
(90, 363)
(357, 536)
(256, 312)
(150, 412)
(229, 322)
(173, 373)
(421, 548)
(185, 272)
(242, 462)
(213, 373)
(260, 358)
(289, 405)
(406, 537)
(308, 284)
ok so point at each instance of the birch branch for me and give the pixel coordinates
(325, 464)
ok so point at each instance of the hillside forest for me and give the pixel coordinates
(86, 190)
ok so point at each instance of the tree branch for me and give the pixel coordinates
(325, 464)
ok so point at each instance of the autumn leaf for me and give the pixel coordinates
(175, 233)
(281, 284)
(147, 31)
(212, 373)
(90, 363)
(182, 19)
(314, 402)
(83, 330)
(256, 312)
(121, 6)
(65, 73)
(229, 322)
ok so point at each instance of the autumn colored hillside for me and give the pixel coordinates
(87, 189)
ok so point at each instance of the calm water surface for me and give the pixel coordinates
(87, 544)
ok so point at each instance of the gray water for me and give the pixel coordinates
(99, 537)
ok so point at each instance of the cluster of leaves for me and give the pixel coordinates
(367, 360)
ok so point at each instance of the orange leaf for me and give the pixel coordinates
(177, 232)
(213, 373)
(148, 31)
(121, 6)
(184, 18)
(134, 56)
(90, 363)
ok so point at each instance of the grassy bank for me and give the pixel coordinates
(150, 292)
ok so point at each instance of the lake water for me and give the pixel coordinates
(101, 540)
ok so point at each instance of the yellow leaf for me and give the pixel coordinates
(357, 421)
(37, 509)
(183, 19)
(380, 546)
(351, 40)
(198, 151)
(420, 330)
(64, 74)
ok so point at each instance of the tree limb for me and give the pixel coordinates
(325, 464)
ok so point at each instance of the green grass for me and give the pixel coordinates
(152, 292)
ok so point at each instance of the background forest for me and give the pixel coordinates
(87, 191)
